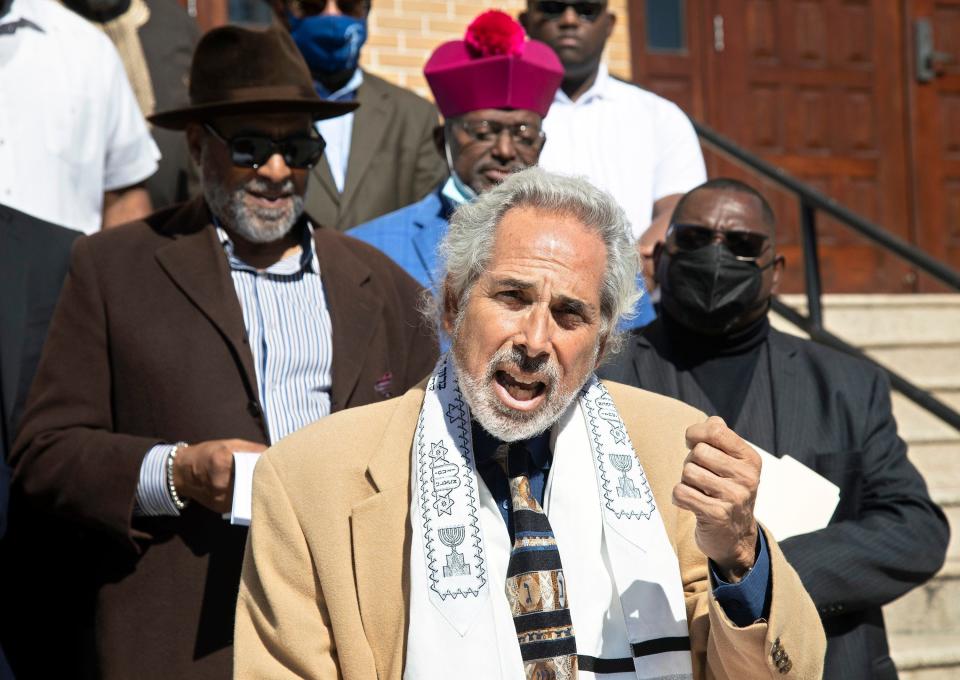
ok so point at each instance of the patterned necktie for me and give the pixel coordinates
(535, 587)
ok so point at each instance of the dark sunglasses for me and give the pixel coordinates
(553, 9)
(252, 151)
(309, 8)
(746, 245)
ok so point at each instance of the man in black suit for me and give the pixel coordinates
(712, 347)
(33, 263)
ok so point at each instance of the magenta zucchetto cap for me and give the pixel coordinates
(493, 67)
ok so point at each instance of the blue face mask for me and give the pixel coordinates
(329, 43)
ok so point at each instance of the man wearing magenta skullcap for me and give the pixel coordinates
(493, 88)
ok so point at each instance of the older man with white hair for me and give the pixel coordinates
(512, 516)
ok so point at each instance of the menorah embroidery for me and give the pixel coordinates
(623, 462)
(452, 537)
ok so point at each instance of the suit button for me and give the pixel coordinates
(253, 408)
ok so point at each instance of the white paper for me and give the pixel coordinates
(243, 464)
(792, 499)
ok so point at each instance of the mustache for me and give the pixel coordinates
(262, 186)
(512, 166)
(541, 368)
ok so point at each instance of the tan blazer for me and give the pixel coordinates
(393, 160)
(325, 579)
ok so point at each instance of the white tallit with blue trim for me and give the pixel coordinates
(623, 579)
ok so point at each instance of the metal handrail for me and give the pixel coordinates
(811, 201)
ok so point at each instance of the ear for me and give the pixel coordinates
(778, 266)
(611, 23)
(657, 253)
(195, 141)
(602, 349)
(439, 136)
(451, 307)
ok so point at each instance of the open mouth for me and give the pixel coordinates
(517, 394)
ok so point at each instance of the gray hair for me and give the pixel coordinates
(467, 248)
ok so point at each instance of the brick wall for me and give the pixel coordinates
(403, 33)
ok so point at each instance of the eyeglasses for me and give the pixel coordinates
(309, 8)
(745, 245)
(585, 10)
(252, 151)
(489, 131)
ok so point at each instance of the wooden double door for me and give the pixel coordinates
(859, 98)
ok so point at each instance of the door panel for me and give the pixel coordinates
(815, 87)
(935, 128)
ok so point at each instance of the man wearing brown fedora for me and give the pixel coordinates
(211, 328)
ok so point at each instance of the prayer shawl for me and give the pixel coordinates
(622, 576)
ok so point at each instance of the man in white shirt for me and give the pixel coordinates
(69, 116)
(636, 145)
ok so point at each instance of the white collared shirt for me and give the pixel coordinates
(336, 132)
(638, 146)
(70, 127)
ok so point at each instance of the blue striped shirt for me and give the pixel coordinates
(288, 326)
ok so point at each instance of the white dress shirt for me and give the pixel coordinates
(337, 131)
(630, 142)
(70, 127)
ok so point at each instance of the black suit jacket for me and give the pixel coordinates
(832, 413)
(34, 256)
(148, 345)
(393, 160)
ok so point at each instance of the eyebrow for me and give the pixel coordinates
(573, 305)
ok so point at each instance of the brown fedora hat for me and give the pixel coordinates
(239, 70)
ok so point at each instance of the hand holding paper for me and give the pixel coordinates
(204, 473)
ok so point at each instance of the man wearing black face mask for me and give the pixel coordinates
(380, 158)
(713, 347)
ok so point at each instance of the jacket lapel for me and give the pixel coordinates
(785, 387)
(321, 175)
(13, 311)
(380, 531)
(196, 263)
(654, 373)
(370, 124)
(354, 311)
(431, 228)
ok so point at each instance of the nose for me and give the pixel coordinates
(535, 336)
(504, 148)
(569, 16)
(275, 169)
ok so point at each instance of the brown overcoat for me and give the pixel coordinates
(326, 581)
(148, 345)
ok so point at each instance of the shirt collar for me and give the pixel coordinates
(485, 447)
(346, 93)
(306, 261)
(27, 10)
(598, 90)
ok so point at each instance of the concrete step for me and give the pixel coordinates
(939, 463)
(931, 609)
(932, 367)
(889, 320)
(927, 657)
(919, 426)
